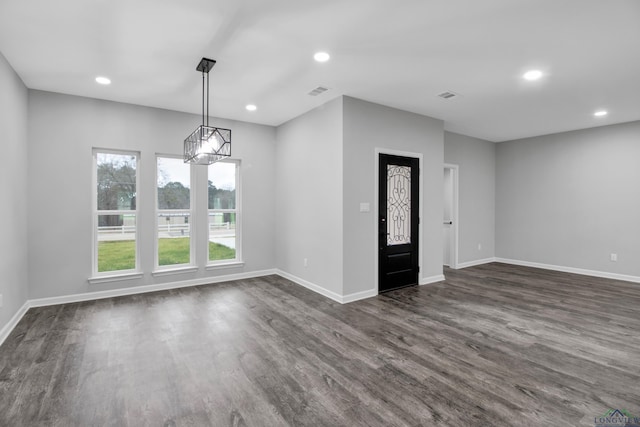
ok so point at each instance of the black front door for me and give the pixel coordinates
(398, 222)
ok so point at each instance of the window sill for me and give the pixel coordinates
(114, 278)
(233, 264)
(171, 271)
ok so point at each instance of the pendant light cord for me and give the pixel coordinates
(203, 73)
(203, 98)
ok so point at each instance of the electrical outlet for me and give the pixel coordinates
(614, 257)
(305, 262)
(479, 246)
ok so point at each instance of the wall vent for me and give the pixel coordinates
(448, 95)
(317, 91)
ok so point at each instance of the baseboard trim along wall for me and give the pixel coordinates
(584, 272)
(432, 279)
(476, 262)
(342, 299)
(359, 295)
(311, 286)
(90, 296)
(13, 322)
(563, 269)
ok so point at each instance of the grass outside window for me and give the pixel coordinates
(121, 255)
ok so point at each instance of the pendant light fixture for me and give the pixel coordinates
(207, 144)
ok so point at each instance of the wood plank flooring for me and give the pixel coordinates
(493, 345)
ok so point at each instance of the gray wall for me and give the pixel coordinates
(571, 199)
(62, 132)
(476, 159)
(309, 196)
(368, 126)
(13, 189)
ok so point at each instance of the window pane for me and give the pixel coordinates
(116, 181)
(222, 236)
(398, 205)
(174, 232)
(173, 184)
(222, 186)
(116, 242)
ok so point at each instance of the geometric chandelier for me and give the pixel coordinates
(207, 144)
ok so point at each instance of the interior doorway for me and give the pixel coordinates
(450, 217)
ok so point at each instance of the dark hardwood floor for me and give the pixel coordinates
(493, 345)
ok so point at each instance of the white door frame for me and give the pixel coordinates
(453, 255)
(376, 253)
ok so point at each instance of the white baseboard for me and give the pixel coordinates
(476, 262)
(359, 295)
(6, 330)
(89, 296)
(432, 279)
(311, 286)
(584, 272)
(342, 299)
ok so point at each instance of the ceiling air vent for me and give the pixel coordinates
(448, 95)
(317, 91)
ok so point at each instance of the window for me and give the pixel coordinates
(115, 212)
(224, 244)
(174, 213)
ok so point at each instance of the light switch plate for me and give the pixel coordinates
(365, 207)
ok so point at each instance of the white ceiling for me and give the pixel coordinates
(399, 53)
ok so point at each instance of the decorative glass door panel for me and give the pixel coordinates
(398, 205)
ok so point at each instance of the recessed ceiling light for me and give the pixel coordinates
(251, 107)
(103, 80)
(600, 113)
(532, 75)
(321, 56)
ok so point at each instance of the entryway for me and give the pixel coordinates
(398, 221)
(450, 217)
